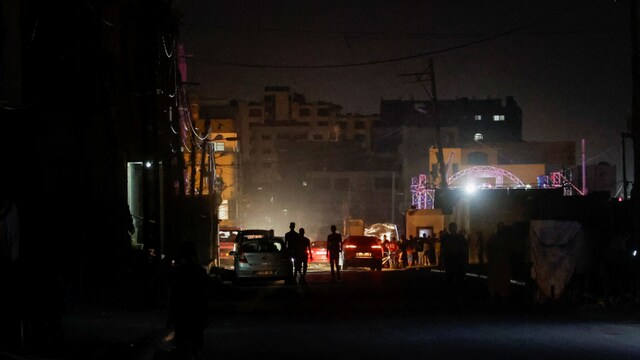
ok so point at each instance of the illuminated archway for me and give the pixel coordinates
(485, 172)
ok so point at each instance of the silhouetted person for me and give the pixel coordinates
(334, 248)
(188, 302)
(303, 252)
(499, 263)
(455, 255)
(291, 239)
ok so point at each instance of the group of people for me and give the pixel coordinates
(415, 251)
(299, 246)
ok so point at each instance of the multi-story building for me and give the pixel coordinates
(218, 169)
(284, 138)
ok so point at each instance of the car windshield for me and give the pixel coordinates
(262, 246)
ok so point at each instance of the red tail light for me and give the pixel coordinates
(376, 247)
(350, 246)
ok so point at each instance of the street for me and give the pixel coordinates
(405, 314)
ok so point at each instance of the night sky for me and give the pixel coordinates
(567, 63)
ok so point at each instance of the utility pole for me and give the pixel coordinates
(441, 165)
(625, 181)
(430, 75)
(635, 117)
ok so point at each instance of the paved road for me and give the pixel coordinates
(406, 314)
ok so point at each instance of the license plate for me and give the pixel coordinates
(363, 255)
(264, 273)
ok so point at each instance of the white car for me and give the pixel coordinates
(258, 257)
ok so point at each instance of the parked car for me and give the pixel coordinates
(227, 238)
(261, 258)
(319, 252)
(362, 251)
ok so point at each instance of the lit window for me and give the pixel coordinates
(498, 117)
(477, 137)
(218, 146)
(223, 210)
(477, 117)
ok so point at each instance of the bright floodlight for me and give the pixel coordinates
(470, 188)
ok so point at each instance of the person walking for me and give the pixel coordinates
(454, 256)
(334, 248)
(188, 306)
(303, 253)
(291, 239)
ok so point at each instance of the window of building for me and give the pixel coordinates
(341, 184)
(323, 112)
(359, 124)
(304, 112)
(382, 183)
(266, 137)
(478, 137)
(477, 117)
(255, 112)
(323, 123)
(218, 146)
(478, 158)
(223, 210)
(498, 117)
(317, 137)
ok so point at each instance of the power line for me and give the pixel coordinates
(377, 62)
(372, 62)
